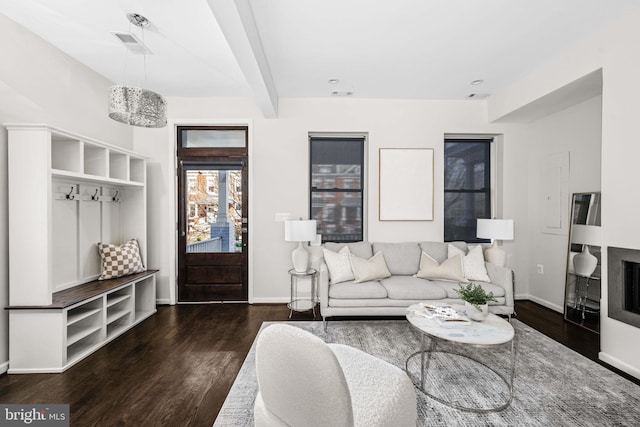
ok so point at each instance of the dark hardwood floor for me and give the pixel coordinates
(176, 368)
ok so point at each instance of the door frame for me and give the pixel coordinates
(172, 153)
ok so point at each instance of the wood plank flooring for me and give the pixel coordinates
(176, 368)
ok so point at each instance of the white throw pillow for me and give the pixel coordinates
(374, 268)
(473, 262)
(451, 269)
(338, 264)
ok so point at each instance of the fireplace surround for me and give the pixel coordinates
(624, 285)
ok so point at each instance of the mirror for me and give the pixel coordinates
(582, 286)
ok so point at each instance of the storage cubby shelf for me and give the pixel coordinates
(127, 301)
(113, 300)
(80, 314)
(76, 333)
(57, 173)
(116, 315)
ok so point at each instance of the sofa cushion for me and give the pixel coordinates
(451, 269)
(401, 258)
(373, 268)
(439, 250)
(473, 262)
(338, 264)
(351, 290)
(452, 287)
(410, 288)
(360, 249)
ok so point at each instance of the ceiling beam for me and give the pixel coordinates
(235, 18)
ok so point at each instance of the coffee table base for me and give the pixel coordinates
(424, 370)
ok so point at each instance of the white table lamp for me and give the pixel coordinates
(300, 231)
(495, 229)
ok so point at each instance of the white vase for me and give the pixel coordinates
(584, 263)
(474, 314)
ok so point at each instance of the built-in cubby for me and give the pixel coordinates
(118, 165)
(136, 170)
(79, 321)
(95, 160)
(67, 193)
(66, 154)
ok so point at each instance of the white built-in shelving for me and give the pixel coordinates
(68, 192)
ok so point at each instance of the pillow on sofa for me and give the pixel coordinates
(473, 262)
(338, 264)
(118, 261)
(451, 269)
(374, 268)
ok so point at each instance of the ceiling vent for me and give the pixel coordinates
(341, 92)
(132, 43)
(479, 95)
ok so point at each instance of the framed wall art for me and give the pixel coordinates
(405, 184)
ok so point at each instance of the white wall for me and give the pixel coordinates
(613, 50)
(40, 84)
(576, 130)
(279, 166)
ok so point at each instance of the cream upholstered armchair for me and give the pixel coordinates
(305, 382)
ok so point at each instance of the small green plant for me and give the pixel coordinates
(475, 295)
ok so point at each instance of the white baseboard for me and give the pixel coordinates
(4, 367)
(617, 363)
(271, 300)
(541, 301)
(163, 301)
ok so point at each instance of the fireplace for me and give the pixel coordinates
(631, 288)
(624, 285)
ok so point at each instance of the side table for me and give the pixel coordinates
(303, 303)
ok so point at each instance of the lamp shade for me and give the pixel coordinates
(302, 230)
(586, 234)
(138, 107)
(495, 229)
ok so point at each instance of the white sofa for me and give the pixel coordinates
(391, 296)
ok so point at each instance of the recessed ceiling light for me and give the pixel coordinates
(334, 81)
(477, 82)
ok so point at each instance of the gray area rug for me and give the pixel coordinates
(553, 385)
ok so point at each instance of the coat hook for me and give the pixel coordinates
(115, 196)
(95, 195)
(70, 196)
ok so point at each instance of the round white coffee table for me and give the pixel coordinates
(490, 332)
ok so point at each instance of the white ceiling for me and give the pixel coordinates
(417, 49)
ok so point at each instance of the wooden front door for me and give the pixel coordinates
(212, 219)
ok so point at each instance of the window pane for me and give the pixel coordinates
(467, 197)
(214, 209)
(339, 215)
(462, 211)
(213, 138)
(466, 166)
(336, 187)
(327, 176)
(336, 163)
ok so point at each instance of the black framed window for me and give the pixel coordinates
(337, 187)
(467, 187)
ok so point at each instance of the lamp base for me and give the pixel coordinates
(300, 259)
(495, 255)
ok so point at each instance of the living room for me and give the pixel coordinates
(581, 101)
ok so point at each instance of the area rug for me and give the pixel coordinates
(553, 385)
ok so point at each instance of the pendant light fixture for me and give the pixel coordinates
(134, 105)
